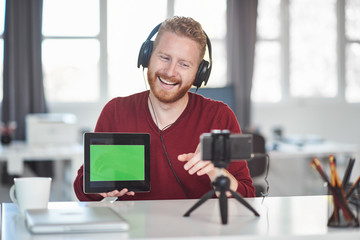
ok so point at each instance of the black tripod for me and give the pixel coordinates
(220, 158)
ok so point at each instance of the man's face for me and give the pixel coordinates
(173, 66)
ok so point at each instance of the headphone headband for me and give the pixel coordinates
(154, 31)
(204, 70)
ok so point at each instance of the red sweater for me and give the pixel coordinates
(131, 114)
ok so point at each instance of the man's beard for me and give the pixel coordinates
(163, 95)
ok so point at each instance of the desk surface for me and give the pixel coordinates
(280, 218)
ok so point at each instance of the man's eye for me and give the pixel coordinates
(185, 65)
(165, 58)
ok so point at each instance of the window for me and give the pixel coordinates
(128, 27)
(91, 54)
(307, 52)
(71, 50)
(215, 28)
(2, 20)
(267, 73)
(352, 45)
(312, 53)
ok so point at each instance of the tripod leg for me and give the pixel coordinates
(240, 199)
(201, 201)
(223, 207)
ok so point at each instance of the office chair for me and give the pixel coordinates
(257, 166)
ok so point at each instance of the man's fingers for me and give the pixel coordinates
(209, 167)
(185, 157)
(194, 164)
(117, 193)
(192, 161)
(202, 166)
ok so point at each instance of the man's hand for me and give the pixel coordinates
(194, 164)
(117, 193)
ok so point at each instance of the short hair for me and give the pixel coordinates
(184, 26)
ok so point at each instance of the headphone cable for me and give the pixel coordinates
(162, 141)
(163, 144)
(266, 176)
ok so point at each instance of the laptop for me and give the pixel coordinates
(74, 220)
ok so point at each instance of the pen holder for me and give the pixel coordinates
(343, 200)
(343, 213)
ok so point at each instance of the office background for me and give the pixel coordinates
(332, 114)
(286, 64)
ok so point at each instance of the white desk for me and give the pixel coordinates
(290, 172)
(19, 152)
(280, 218)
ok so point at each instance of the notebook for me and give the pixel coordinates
(74, 220)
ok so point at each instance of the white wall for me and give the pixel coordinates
(331, 120)
(87, 114)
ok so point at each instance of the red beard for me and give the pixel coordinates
(162, 94)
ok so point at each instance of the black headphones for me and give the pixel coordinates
(203, 73)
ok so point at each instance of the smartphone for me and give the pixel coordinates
(240, 146)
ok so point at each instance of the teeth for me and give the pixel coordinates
(166, 82)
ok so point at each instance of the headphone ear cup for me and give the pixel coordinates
(202, 74)
(145, 53)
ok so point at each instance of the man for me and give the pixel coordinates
(175, 119)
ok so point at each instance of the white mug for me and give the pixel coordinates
(30, 193)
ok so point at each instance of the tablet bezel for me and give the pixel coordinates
(116, 139)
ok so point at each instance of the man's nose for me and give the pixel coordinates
(171, 69)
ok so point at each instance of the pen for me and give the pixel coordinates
(348, 172)
(315, 163)
(352, 188)
(336, 193)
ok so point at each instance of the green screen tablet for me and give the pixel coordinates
(116, 161)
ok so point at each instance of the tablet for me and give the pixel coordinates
(116, 161)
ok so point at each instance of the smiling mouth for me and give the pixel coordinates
(166, 82)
